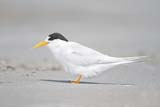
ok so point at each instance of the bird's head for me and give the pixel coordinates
(50, 38)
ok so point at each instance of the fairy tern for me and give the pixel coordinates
(81, 60)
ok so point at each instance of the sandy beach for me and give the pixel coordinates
(44, 91)
(51, 87)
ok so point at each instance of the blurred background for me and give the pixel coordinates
(113, 27)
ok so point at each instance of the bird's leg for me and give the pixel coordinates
(77, 80)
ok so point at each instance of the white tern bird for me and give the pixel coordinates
(81, 60)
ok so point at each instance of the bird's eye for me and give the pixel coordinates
(51, 38)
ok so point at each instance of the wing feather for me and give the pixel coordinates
(85, 56)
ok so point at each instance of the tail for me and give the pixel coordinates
(127, 60)
(98, 68)
(134, 59)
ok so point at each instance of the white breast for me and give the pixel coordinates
(59, 49)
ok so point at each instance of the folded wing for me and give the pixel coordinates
(84, 56)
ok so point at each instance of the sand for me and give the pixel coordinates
(22, 87)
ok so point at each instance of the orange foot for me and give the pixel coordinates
(77, 81)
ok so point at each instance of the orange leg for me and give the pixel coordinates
(77, 81)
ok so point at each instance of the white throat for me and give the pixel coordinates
(57, 45)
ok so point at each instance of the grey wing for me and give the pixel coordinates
(84, 56)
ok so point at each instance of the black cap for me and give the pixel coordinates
(57, 36)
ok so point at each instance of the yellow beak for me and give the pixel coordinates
(43, 43)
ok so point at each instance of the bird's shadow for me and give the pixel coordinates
(84, 82)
